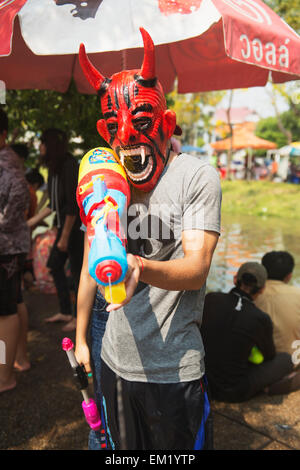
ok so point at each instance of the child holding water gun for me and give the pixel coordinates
(100, 208)
(152, 344)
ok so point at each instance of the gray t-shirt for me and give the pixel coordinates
(156, 336)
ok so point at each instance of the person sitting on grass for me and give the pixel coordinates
(280, 300)
(240, 356)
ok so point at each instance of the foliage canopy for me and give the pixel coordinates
(30, 112)
(288, 10)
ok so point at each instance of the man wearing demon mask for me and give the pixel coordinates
(152, 347)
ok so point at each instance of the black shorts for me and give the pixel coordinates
(151, 416)
(10, 284)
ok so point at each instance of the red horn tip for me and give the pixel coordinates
(148, 67)
(94, 77)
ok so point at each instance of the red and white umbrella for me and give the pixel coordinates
(205, 44)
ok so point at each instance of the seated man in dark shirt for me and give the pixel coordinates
(232, 325)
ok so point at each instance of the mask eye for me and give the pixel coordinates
(142, 123)
(112, 128)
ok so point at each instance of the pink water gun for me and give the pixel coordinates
(89, 406)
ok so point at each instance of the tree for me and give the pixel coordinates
(32, 111)
(268, 129)
(273, 94)
(229, 123)
(194, 112)
(291, 93)
(288, 10)
(291, 121)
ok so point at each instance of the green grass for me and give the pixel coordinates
(261, 198)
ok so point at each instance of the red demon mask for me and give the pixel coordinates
(136, 123)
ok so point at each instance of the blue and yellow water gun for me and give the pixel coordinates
(103, 195)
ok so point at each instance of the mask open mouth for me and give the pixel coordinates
(138, 162)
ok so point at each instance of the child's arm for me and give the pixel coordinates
(85, 301)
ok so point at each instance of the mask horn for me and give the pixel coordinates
(148, 67)
(94, 77)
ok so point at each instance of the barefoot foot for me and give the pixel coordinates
(58, 317)
(22, 366)
(70, 326)
(6, 386)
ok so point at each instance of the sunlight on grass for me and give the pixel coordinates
(261, 198)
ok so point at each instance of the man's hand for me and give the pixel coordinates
(131, 280)
(62, 244)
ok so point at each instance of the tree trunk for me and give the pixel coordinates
(229, 153)
(285, 131)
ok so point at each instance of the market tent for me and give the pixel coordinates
(242, 139)
(295, 149)
(290, 150)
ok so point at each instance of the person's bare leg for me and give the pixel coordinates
(9, 333)
(22, 362)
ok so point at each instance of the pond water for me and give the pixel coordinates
(248, 238)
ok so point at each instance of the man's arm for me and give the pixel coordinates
(187, 273)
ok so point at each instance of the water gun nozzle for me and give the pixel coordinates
(108, 271)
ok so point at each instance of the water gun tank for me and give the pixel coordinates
(103, 195)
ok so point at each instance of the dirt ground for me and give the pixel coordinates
(44, 411)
